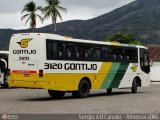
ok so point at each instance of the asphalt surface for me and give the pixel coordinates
(31, 101)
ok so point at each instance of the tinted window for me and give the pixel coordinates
(113, 53)
(106, 52)
(134, 54)
(62, 50)
(88, 52)
(70, 51)
(97, 53)
(121, 54)
(79, 51)
(131, 54)
(49, 50)
(144, 60)
(54, 50)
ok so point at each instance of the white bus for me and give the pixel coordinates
(60, 64)
(3, 68)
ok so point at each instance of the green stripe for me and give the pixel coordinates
(115, 75)
(110, 76)
(119, 75)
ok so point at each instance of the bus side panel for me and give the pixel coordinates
(70, 81)
(64, 82)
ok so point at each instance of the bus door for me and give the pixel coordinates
(144, 60)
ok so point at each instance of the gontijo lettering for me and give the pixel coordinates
(24, 51)
(70, 66)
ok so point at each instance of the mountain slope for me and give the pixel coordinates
(140, 18)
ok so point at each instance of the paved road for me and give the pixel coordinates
(28, 101)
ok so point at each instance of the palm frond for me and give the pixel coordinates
(45, 9)
(47, 15)
(58, 14)
(40, 17)
(62, 8)
(24, 16)
(27, 21)
(39, 8)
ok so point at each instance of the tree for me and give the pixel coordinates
(30, 9)
(52, 10)
(124, 38)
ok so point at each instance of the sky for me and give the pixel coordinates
(10, 10)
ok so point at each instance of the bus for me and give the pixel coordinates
(62, 64)
(3, 68)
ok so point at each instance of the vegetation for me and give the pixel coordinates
(123, 38)
(30, 10)
(52, 10)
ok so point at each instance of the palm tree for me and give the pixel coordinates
(52, 9)
(31, 15)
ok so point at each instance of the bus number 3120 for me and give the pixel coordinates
(23, 58)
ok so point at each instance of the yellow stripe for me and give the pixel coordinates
(102, 74)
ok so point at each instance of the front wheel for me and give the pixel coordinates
(56, 94)
(134, 86)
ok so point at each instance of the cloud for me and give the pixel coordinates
(10, 12)
(14, 6)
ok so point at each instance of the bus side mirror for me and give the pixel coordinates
(151, 62)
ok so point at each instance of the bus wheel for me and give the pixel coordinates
(4, 85)
(83, 89)
(56, 94)
(134, 86)
(109, 91)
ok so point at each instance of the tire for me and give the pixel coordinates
(75, 94)
(56, 94)
(134, 86)
(4, 85)
(109, 91)
(83, 90)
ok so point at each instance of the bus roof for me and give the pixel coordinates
(64, 38)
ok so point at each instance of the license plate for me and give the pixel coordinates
(26, 75)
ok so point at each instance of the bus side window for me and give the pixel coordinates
(134, 55)
(54, 50)
(128, 55)
(49, 51)
(120, 53)
(70, 51)
(105, 52)
(113, 53)
(88, 52)
(62, 49)
(79, 51)
(97, 53)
